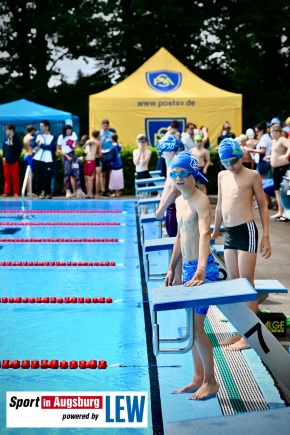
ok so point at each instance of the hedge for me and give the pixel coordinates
(129, 170)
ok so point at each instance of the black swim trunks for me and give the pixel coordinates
(243, 237)
(278, 174)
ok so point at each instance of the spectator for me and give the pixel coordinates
(225, 132)
(279, 159)
(43, 160)
(92, 148)
(188, 135)
(28, 156)
(263, 148)
(286, 128)
(173, 129)
(141, 157)
(105, 135)
(203, 158)
(247, 160)
(116, 183)
(66, 146)
(12, 148)
(205, 138)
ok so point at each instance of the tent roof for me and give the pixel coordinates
(24, 110)
(136, 86)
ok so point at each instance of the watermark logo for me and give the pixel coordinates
(164, 81)
(156, 128)
(77, 409)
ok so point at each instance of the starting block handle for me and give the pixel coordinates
(188, 335)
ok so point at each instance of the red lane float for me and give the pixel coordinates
(54, 300)
(53, 364)
(57, 240)
(59, 224)
(56, 263)
(57, 211)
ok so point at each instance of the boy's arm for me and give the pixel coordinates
(167, 201)
(136, 157)
(176, 255)
(207, 161)
(286, 144)
(204, 215)
(218, 211)
(265, 247)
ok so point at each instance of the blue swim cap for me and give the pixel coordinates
(229, 148)
(186, 160)
(169, 143)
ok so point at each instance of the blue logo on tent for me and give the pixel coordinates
(163, 80)
(155, 128)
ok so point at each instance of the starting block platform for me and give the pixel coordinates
(229, 297)
(149, 201)
(146, 181)
(153, 174)
(165, 244)
(150, 218)
(149, 189)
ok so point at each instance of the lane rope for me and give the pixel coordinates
(56, 263)
(55, 300)
(58, 240)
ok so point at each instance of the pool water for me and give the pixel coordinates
(113, 332)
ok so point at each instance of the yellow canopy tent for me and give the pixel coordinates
(161, 90)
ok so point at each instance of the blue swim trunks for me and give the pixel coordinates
(28, 161)
(211, 274)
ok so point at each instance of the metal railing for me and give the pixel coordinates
(28, 176)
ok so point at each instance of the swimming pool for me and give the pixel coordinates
(114, 332)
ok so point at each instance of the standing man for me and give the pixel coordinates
(279, 159)
(105, 135)
(12, 148)
(43, 160)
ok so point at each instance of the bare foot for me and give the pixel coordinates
(274, 216)
(239, 345)
(190, 388)
(205, 391)
(231, 340)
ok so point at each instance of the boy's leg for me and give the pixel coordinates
(203, 384)
(246, 269)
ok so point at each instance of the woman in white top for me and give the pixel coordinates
(66, 145)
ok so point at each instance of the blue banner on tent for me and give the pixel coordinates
(155, 128)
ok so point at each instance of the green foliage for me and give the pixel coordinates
(238, 46)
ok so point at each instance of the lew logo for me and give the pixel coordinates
(164, 81)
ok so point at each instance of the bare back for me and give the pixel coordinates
(190, 213)
(26, 141)
(236, 193)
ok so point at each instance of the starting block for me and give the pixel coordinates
(149, 218)
(149, 189)
(153, 174)
(165, 244)
(177, 297)
(146, 181)
(229, 296)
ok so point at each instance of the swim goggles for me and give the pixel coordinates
(230, 162)
(182, 174)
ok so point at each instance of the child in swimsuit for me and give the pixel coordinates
(236, 187)
(192, 243)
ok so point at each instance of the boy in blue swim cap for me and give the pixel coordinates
(192, 244)
(236, 187)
